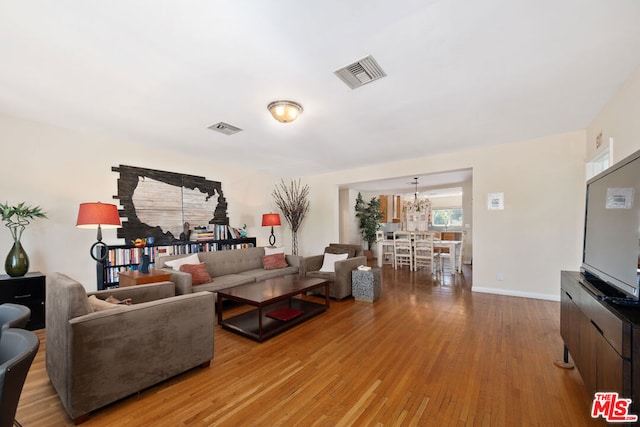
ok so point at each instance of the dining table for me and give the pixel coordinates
(454, 246)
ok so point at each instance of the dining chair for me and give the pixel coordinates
(402, 254)
(386, 248)
(424, 254)
(453, 256)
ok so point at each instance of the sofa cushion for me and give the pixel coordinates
(221, 263)
(259, 274)
(199, 273)
(340, 250)
(329, 260)
(223, 282)
(176, 263)
(274, 261)
(357, 248)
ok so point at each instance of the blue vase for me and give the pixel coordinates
(144, 264)
(17, 262)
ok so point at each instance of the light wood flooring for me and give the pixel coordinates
(427, 353)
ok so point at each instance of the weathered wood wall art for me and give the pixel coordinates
(159, 204)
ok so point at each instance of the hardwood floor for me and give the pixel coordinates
(426, 353)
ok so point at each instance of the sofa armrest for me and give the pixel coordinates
(296, 261)
(343, 274)
(140, 293)
(181, 279)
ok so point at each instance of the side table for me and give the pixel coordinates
(134, 277)
(28, 290)
(366, 285)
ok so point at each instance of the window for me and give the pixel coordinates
(601, 160)
(449, 217)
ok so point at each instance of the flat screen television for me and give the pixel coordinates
(611, 251)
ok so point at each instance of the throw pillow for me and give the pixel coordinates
(176, 263)
(272, 262)
(113, 300)
(270, 250)
(329, 261)
(99, 305)
(199, 273)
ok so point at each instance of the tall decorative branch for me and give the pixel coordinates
(292, 201)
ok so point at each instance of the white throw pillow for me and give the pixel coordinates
(329, 261)
(271, 250)
(176, 263)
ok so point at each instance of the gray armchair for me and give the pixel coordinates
(340, 279)
(94, 358)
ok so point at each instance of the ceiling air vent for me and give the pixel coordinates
(225, 128)
(361, 72)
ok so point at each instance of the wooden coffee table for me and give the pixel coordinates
(272, 297)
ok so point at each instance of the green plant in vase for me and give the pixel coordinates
(16, 218)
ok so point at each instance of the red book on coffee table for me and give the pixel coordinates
(284, 313)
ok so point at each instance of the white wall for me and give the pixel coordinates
(619, 119)
(536, 236)
(58, 169)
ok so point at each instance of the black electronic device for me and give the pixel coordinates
(611, 246)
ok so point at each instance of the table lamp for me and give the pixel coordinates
(98, 215)
(271, 219)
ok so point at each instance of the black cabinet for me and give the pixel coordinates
(28, 290)
(603, 339)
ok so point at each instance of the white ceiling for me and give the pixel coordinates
(405, 184)
(460, 74)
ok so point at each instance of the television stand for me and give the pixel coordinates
(625, 302)
(602, 337)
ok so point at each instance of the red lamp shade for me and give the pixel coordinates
(270, 219)
(92, 215)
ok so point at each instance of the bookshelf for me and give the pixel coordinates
(127, 257)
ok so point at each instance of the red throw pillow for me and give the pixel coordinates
(199, 273)
(272, 262)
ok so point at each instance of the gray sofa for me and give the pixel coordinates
(94, 358)
(228, 269)
(340, 279)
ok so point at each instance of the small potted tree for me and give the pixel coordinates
(369, 217)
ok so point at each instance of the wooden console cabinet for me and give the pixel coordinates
(28, 290)
(602, 338)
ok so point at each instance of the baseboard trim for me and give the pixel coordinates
(511, 293)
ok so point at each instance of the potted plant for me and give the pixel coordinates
(369, 216)
(16, 218)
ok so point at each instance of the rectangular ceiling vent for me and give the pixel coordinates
(225, 128)
(361, 72)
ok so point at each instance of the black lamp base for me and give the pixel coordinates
(272, 238)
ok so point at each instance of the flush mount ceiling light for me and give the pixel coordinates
(285, 111)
